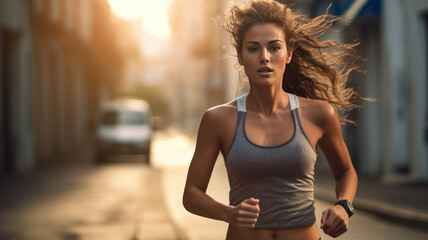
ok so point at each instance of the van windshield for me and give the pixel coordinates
(124, 117)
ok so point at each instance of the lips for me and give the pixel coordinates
(265, 70)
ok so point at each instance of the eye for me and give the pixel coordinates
(252, 49)
(274, 48)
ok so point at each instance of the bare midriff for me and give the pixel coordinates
(303, 233)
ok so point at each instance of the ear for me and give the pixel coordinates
(240, 61)
(289, 56)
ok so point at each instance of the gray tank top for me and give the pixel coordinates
(281, 176)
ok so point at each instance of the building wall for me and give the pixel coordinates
(417, 26)
(390, 142)
(16, 97)
(53, 72)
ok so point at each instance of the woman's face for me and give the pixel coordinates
(264, 54)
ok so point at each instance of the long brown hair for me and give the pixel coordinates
(319, 69)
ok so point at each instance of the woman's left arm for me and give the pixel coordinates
(335, 220)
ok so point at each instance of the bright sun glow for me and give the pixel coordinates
(153, 13)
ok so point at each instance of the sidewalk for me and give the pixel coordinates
(406, 203)
(82, 200)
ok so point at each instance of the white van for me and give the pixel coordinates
(123, 127)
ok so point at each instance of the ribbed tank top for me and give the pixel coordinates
(281, 176)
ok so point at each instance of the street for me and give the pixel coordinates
(117, 201)
(128, 199)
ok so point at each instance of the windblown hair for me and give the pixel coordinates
(319, 69)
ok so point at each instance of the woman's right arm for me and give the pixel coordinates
(195, 199)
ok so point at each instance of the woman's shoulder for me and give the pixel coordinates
(320, 112)
(222, 112)
(320, 106)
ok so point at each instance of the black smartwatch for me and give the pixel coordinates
(347, 205)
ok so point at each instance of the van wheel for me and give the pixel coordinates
(147, 155)
(100, 157)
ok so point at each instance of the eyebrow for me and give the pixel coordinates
(270, 42)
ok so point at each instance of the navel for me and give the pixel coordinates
(274, 235)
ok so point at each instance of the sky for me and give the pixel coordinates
(153, 13)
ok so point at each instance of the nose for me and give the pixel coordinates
(264, 56)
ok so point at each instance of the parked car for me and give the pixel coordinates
(123, 127)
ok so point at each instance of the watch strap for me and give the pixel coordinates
(345, 204)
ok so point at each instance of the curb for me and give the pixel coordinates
(411, 217)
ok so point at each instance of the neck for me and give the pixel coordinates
(267, 99)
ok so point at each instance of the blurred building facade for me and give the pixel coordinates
(129, 38)
(58, 60)
(391, 140)
(202, 74)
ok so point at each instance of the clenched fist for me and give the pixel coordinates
(334, 221)
(245, 214)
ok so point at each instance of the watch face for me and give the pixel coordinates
(350, 206)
